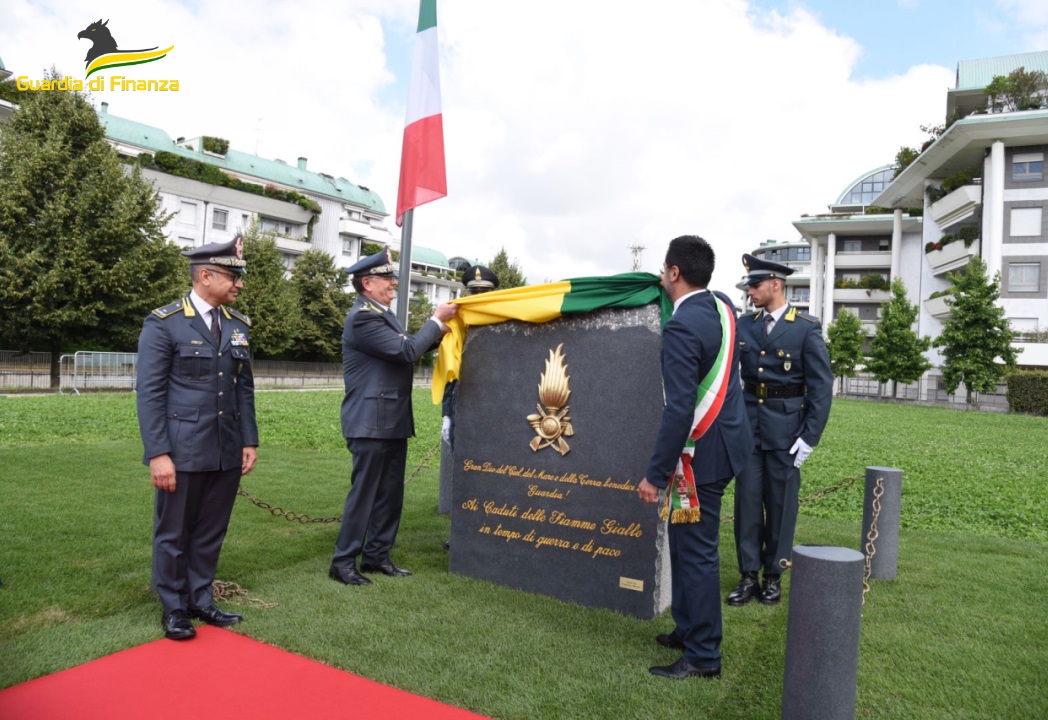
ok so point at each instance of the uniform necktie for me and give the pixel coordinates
(769, 320)
(216, 329)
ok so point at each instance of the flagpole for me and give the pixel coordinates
(404, 289)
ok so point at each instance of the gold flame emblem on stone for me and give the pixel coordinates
(552, 423)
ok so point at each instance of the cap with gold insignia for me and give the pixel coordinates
(758, 269)
(228, 255)
(480, 279)
(381, 263)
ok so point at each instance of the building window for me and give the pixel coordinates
(219, 219)
(801, 294)
(1027, 167)
(1026, 222)
(187, 213)
(1024, 277)
(884, 245)
(347, 246)
(852, 246)
(801, 253)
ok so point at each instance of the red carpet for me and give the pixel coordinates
(217, 674)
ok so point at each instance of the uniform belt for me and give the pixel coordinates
(774, 391)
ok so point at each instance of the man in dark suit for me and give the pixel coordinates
(377, 366)
(703, 441)
(788, 388)
(196, 413)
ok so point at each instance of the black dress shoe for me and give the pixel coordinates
(347, 575)
(772, 592)
(386, 568)
(177, 626)
(213, 616)
(747, 589)
(670, 640)
(682, 669)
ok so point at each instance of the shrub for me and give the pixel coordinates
(1028, 392)
(217, 145)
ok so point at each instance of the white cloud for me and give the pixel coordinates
(573, 129)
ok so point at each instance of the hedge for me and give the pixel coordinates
(1028, 392)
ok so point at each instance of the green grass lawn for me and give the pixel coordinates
(961, 633)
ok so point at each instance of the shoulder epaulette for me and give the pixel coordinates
(169, 310)
(238, 315)
(806, 316)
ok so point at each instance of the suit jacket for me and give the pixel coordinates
(691, 341)
(794, 354)
(377, 368)
(196, 401)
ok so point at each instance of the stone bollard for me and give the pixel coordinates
(885, 557)
(822, 634)
(444, 489)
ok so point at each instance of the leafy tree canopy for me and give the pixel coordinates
(845, 340)
(268, 298)
(83, 256)
(976, 341)
(508, 273)
(896, 352)
(319, 286)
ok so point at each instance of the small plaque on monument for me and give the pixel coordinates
(554, 427)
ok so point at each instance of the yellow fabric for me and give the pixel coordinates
(532, 303)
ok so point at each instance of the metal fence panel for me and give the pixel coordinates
(25, 370)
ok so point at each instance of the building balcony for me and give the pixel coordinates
(957, 206)
(1033, 354)
(357, 228)
(937, 307)
(879, 259)
(860, 295)
(295, 247)
(952, 257)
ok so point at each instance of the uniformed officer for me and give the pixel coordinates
(378, 359)
(196, 413)
(477, 279)
(788, 387)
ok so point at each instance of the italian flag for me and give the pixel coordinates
(422, 177)
(539, 304)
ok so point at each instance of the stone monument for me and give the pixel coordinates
(555, 423)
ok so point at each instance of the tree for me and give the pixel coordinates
(845, 341)
(976, 340)
(508, 273)
(83, 256)
(268, 298)
(896, 352)
(1019, 90)
(318, 284)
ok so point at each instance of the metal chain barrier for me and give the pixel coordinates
(843, 484)
(871, 537)
(303, 518)
(231, 592)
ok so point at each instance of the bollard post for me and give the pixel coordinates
(822, 634)
(883, 487)
(446, 468)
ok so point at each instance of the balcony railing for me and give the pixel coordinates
(957, 206)
(952, 257)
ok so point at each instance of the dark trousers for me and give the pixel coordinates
(189, 526)
(766, 511)
(371, 517)
(695, 571)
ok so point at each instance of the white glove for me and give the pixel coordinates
(445, 430)
(802, 450)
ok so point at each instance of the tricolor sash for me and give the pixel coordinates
(682, 500)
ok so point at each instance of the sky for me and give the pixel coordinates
(573, 130)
